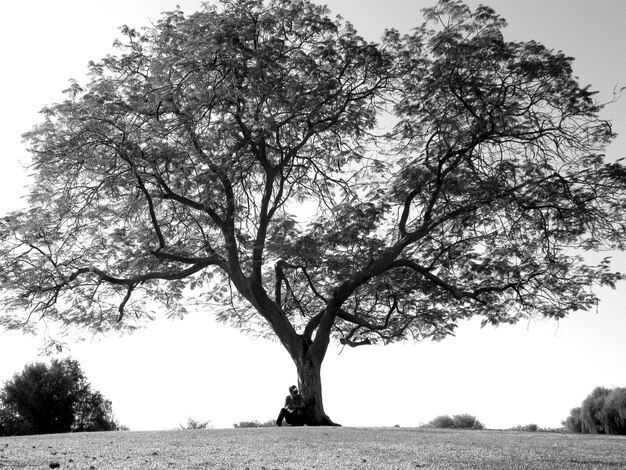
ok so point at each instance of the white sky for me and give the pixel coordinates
(528, 373)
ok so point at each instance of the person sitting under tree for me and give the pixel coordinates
(293, 411)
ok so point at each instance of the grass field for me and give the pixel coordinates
(314, 448)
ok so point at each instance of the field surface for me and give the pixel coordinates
(313, 449)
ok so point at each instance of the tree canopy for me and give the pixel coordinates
(263, 157)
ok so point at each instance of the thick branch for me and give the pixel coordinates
(153, 217)
(264, 220)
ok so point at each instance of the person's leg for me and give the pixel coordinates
(294, 419)
(288, 415)
(281, 416)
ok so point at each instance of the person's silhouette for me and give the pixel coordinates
(293, 410)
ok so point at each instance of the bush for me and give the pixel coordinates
(255, 424)
(462, 421)
(196, 424)
(526, 428)
(442, 422)
(602, 412)
(466, 421)
(54, 398)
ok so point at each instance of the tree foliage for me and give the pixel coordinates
(573, 422)
(461, 421)
(242, 156)
(602, 412)
(442, 422)
(55, 398)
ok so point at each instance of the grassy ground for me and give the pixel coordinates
(313, 449)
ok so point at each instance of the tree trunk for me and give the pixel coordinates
(310, 386)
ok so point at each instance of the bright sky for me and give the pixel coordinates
(533, 372)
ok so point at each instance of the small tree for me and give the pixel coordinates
(602, 412)
(235, 151)
(54, 398)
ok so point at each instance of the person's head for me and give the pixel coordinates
(293, 390)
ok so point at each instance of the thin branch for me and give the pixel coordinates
(457, 293)
(129, 292)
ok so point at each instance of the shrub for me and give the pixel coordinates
(526, 428)
(466, 421)
(196, 424)
(462, 421)
(255, 424)
(442, 422)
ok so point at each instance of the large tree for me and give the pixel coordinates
(264, 157)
